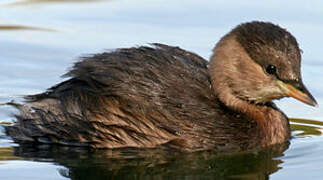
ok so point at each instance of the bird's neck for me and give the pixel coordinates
(272, 124)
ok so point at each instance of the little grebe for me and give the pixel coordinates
(164, 96)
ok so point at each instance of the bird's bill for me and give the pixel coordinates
(298, 91)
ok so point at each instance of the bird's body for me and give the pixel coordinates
(150, 97)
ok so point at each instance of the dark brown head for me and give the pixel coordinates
(258, 62)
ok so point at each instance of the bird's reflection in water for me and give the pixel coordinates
(83, 163)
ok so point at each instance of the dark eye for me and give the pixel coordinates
(271, 69)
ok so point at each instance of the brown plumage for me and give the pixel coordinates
(163, 96)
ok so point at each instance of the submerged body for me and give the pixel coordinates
(164, 96)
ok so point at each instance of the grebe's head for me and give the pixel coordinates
(258, 62)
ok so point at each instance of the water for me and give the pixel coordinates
(40, 39)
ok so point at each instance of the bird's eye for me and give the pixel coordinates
(271, 69)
